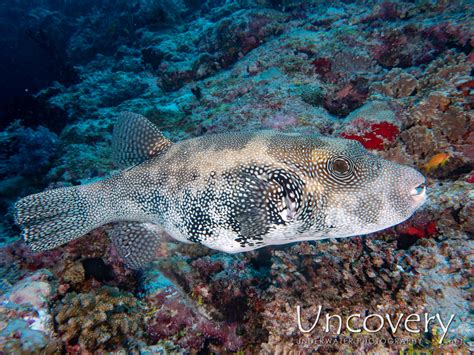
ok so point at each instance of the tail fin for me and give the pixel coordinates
(52, 218)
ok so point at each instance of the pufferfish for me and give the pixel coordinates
(232, 192)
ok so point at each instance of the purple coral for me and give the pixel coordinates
(174, 318)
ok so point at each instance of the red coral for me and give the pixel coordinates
(377, 136)
(420, 229)
(446, 34)
(416, 232)
(386, 130)
(322, 66)
(369, 140)
(206, 266)
(466, 87)
(470, 179)
(348, 98)
(386, 11)
(74, 349)
(431, 228)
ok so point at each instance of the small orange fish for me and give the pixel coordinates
(436, 161)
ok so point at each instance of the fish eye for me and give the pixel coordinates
(340, 166)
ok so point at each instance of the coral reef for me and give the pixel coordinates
(173, 319)
(27, 152)
(26, 324)
(102, 319)
(395, 76)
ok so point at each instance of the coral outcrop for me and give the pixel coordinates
(102, 319)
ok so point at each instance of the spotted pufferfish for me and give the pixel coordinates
(231, 192)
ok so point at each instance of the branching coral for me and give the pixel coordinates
(105, 319)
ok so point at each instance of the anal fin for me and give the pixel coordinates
(136, 242)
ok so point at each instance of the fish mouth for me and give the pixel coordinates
(418, 193)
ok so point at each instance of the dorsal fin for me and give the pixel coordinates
(135, 139)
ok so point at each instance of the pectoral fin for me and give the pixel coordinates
(251, 213)
(270, 200)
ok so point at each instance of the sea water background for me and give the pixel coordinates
(396, 76)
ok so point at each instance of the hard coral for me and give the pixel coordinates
(74, 273)
(389, 11)
(173, 318)
(447, 35)
(35, 293)
(397, 84)
(234, 35)
(347, 98)
(280, 121)
(312, 94)
(17, 337)
(322, 66)
(29, 260)
(206, 266)
(386, 11)
(412, 45)
(227, 289)
(360, 276)
(79, 265)
(105, 319)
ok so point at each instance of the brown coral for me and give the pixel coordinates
(419, 141)
(104, 319)
(354, 276)
(74, 273)
(396, 84)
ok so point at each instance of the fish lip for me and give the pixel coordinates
(418, 193)
(417, 186)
